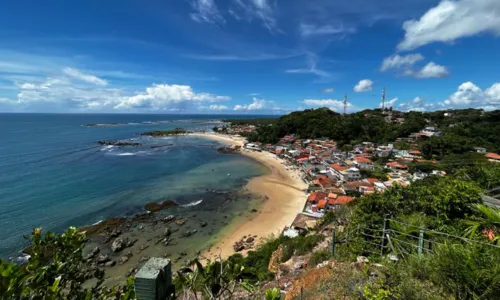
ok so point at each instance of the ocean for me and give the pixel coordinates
(53, 173)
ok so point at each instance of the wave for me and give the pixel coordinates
(192, 203)
(125, 154)
(108, 147)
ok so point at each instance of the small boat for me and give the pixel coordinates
(228, 174)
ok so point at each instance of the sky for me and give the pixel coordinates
(247, 56)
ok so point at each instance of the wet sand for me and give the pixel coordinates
(283, 190)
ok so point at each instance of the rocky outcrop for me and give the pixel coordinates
(180, 222)
(157, 206)
(119, 244)
(244, 244)
(119, 143)
(229, 150)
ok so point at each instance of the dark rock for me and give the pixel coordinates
(119, 144)
(167, 232)
(155, 206)
(101, 259)
(254, 210)
(115, 233)
(110, 263)
(169, 218)
(118, 244)
(130, 243)
(123, 259)
(238, 246)
(180, 222)
(183, 253)
(250, 239)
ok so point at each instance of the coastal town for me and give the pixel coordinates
(335, 177)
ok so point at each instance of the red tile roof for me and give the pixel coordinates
(372, 180)
(322, 203)
(395, 164)
(362, 160)
(342, 200)
(492, 156)
(316, 196)
(339, 167)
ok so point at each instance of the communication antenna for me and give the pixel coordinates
(345, 103)
(383, 99)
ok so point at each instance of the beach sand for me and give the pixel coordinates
(285, 194)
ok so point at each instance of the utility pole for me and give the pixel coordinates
(383, 99)
(345, 103)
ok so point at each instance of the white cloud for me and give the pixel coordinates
(218, 107)
(417, 101)
(432, 70)
(312, 68)
(328, 91)
(307, 30)
(451, 20)
(161, 96)
(256, 9)
(470, 95)
(84, 77)
(364, 85)
(493, 94)
(400, 61)
(335, 105)
(389, 103)
(206, 11)
(257, 104)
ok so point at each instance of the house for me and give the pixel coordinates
(315, 197)
(351, 174)
(363, 163)
(253, 146)
(480, 150)
(342, 200)
(493, 157)
(415, 153)
(322, 204)
(365, 190)
(394, 165)
(431, 131)
(337, 170)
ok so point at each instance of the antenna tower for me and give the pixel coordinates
(383, 99)
(345, 103)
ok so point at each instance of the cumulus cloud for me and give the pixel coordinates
(432, 70)
(328, 91)
(160, 96)
(451, 20)
(470, 95)
(335, 105)
(84, 77)
(257, 104)
(364, 85)
(400, 61)
(206, 11)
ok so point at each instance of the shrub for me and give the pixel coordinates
(319, 257)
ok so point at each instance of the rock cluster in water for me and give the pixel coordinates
(119, 143)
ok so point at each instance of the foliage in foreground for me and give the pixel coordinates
(54, 271)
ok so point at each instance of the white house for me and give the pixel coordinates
(431, 131)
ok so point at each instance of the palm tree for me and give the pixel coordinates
(487, 223)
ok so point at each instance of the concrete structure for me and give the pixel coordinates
(154, 280)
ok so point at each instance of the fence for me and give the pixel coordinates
(400, 239)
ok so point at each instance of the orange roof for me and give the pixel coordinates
(492, 156)
(339, 167)
(396, 165)
(372, 180)
(325, 180)
(332, 196)
(342, 200)
(362, 160)
(322, 203)
(316, 181)
(316, 196)
(415, 152)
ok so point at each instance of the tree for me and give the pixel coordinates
(55, 271)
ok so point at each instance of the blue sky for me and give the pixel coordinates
(247, 56)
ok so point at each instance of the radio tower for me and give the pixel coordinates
(383, 99)
(345, 103)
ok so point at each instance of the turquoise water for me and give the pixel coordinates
(53, 173)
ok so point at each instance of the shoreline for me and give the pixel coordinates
(283, 190)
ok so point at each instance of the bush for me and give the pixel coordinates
(300, 245)
(319, 257)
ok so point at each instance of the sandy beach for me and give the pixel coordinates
(285, 194)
